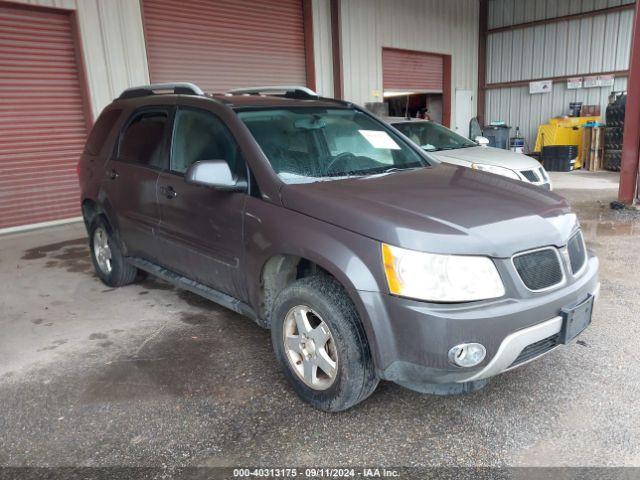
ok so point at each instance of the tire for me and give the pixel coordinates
(354, 376)
(120, 272)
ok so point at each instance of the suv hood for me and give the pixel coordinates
(441, 209)
(489, 156)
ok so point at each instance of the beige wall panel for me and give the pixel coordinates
(437, 26)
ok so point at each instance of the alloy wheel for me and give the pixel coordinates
(101, 250)
(310, 347)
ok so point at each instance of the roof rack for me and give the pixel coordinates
(292, 91)
(346, 103)
(183, 88)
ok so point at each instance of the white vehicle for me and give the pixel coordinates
(447, 146)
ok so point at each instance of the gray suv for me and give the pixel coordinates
(367, 259)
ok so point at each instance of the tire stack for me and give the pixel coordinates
(614, 130)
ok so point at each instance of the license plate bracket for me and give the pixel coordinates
(576, 319)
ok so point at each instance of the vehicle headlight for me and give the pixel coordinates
(505, 172)
(440, 278)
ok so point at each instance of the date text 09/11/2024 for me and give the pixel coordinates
(315, 473)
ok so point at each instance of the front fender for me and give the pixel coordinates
(354, 260)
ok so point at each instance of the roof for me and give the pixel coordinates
(247, 101)
(240, 98)
(271, 101)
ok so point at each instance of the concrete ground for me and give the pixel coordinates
(151, 375)
(582, 179)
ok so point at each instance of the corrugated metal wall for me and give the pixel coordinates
(437, 26)
(115, 58)
(112, 43)
(114, 49)
(590, 45)
(322, 47)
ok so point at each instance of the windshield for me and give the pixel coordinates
(314, 144)
(433, 137)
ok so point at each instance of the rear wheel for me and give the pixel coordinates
(320, 343)
(108, 261)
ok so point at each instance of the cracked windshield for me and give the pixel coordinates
(314, 144)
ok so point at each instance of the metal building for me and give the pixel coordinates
(62, 61)
(529, 40)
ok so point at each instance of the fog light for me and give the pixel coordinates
(467, 354)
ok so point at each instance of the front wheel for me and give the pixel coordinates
(320, 343)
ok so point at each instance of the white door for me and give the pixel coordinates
(464, 111)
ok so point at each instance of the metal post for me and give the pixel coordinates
(336, 48)
(631, 143)
(483, 15)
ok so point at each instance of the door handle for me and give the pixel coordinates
(168, 192)
(112, 174)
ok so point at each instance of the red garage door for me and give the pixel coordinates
(407, 70)
(42, 122)
(414, 71)
(222, 44)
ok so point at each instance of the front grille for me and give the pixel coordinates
(539, 269)
(536, 349)
(577, 253)
(530, 175)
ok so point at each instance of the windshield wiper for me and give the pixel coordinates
(456, 147)
(392, 169)
(373, 171)
(364, 173)
(351, 173)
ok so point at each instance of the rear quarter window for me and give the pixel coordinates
(101, 130)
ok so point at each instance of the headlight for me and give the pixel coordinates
(545, 177)
(505, 172)
(440, 278)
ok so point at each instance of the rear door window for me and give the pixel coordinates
(101, 131)
(142, 142)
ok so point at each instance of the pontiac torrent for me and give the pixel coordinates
(366, 258)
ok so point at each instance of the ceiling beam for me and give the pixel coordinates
(562, 78)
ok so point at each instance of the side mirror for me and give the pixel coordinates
(482, 141)
(216, 174)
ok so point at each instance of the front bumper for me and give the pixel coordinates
(546, 184)
(513, 345)
(411, 339)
